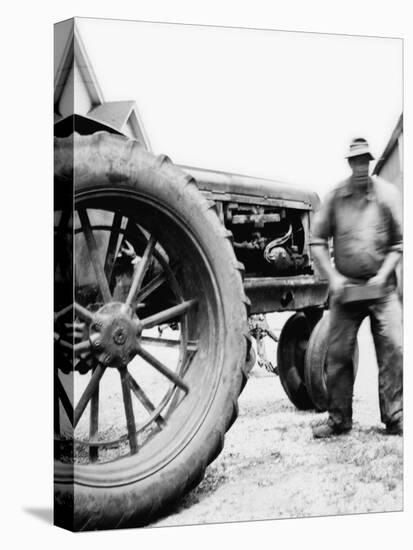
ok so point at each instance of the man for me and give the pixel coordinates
(362, 215)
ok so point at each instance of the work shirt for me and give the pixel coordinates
(364, 227)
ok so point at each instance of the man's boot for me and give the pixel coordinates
(395, 428)
(325, 431)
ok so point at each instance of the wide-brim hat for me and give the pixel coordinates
(358, 147)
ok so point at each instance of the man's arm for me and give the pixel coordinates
(323, 228)
(394, 208)
(321, 256)
(387, 268)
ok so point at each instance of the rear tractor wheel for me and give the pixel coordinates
(150, 353)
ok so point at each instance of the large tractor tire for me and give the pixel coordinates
(150, 412)
(315, 369)
(291, 349)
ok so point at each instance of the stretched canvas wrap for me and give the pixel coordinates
(187, 294)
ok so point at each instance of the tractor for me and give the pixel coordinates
(163, 276)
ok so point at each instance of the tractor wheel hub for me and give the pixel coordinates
(114, 335)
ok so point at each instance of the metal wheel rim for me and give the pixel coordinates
(99, 474)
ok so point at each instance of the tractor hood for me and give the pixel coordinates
(216, 184)
(235, 186)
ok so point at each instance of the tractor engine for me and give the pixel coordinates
(269, 241)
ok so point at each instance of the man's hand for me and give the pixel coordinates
(386, 269)
(337, 282)
(379, 279)
(128, 250)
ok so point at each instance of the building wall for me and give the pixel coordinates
(128, 130)
(391, 170)
(66, 102)
(83, 101)
(75, 97)
(401, 150)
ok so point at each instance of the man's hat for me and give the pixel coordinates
(358, 147)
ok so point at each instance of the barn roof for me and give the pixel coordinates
(69, 48)
(70, 52)
(115, 113)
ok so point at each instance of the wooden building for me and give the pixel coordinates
(390, 165)
(77, 91)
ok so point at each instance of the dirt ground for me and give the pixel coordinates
(272, 468)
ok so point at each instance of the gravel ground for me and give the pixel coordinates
(272, 468)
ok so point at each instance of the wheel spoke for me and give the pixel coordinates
(156, 282)
(167, 314)
(63, 397)
(149, 358)
(62, 343)
(130, 417)
(188, 360)
(144, 399)
(113, 245)
(141, 270)
(168, 343)
(75, 330)
(87, 394)
(94, 255)
(81, 347)
(94, 423)
(78, 348)
(63, 312)
(84, 313)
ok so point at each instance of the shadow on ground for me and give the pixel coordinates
(44, 514)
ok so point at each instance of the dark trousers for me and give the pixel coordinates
(386, 326)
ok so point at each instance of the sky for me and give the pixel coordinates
(274, 104)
